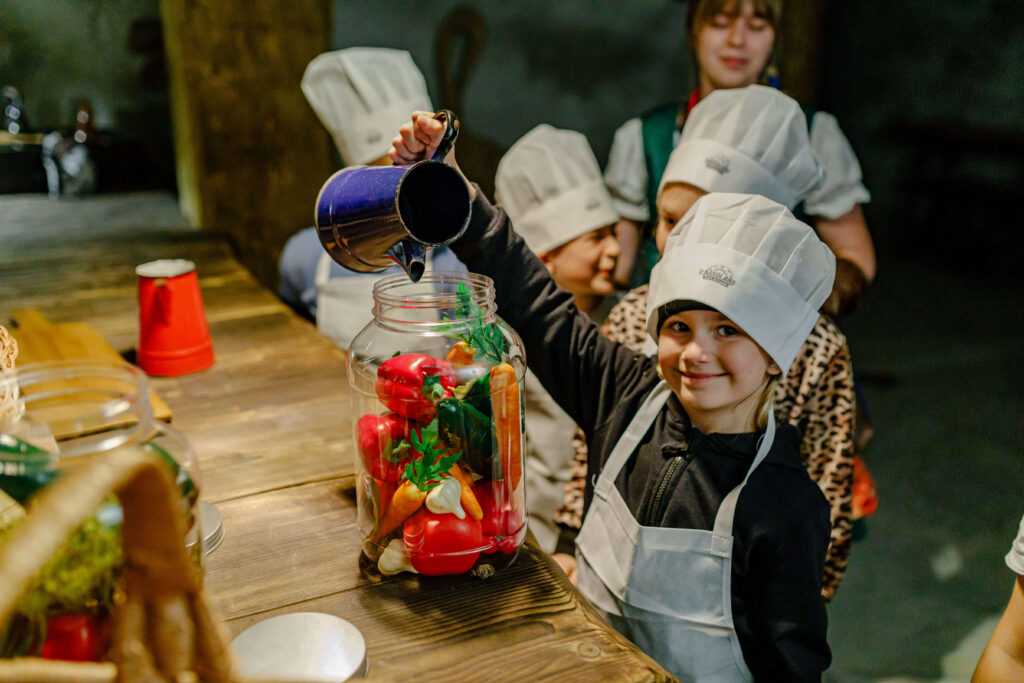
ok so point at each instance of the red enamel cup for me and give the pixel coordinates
(174, 338)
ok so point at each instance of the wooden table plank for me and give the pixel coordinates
(525, 623)
(302, 555)
(105, 292)
(271, 412)
(284, 547)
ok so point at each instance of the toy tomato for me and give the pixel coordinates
(410, 384)
(73, 638)
(378, 436)
(500, 526)
(442, 543)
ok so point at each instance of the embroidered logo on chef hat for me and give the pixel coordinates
(719, 164)
(751, 140)
(720, 274)
(747, 257)
(363, 95)
(551, 187)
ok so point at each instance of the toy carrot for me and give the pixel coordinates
(469, 502)
(461, 353)
(505, 405)
(421, 475)
(407, 499)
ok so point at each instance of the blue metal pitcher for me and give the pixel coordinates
(372, 217)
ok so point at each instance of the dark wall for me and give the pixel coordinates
(574, 64)
(932, 96)
(57, 52)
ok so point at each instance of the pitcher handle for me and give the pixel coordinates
(451, 132)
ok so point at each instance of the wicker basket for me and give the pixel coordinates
(164, 630)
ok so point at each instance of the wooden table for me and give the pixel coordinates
(271, 424)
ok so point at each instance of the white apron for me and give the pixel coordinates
(667, 590)
(344, 305)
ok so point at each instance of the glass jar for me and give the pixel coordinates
(437, 420)
(76, 409)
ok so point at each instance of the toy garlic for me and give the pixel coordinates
(394, 559)
(445, 497)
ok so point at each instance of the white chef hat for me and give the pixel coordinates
(363, 95)
(751, 140)
(550, 185)
(748, 258)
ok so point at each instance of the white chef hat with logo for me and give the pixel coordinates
(751, 140)
(748, 258)
(550, 185)
(363, 95)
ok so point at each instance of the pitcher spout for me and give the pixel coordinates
(411, 256)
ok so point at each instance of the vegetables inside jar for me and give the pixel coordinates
(438, 429)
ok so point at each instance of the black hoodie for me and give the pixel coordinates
(677, 477)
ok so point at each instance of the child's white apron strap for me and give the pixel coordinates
(669, 590)
(344, 305)
(727, 510)
(323, 270)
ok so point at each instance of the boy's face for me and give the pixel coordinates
(674, 201)
(713, 366)
(733, 48)
(583, 266)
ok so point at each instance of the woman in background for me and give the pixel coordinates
(733, 44)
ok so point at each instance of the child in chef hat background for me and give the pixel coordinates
(361, 95)
(550, 184)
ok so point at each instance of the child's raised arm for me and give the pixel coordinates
(419, 139)
(584, 372)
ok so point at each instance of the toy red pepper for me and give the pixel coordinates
(403, 386)
(379, 436)
(501, 525)
(73, 638)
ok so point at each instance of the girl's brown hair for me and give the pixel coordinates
(767, 402)
(700, 12)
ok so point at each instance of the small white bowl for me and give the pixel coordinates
(306, 646)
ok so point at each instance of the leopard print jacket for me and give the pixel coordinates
(817, 397)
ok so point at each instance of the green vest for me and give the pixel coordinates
(657, 128)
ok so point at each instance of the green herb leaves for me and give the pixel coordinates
(427, 471)
(486, 338)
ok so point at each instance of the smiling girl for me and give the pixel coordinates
(704, 538)
(733, 43)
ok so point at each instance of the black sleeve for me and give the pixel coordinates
(583, 371)
(787, 618)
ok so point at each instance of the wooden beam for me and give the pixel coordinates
(251, 154)
(802, 48)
